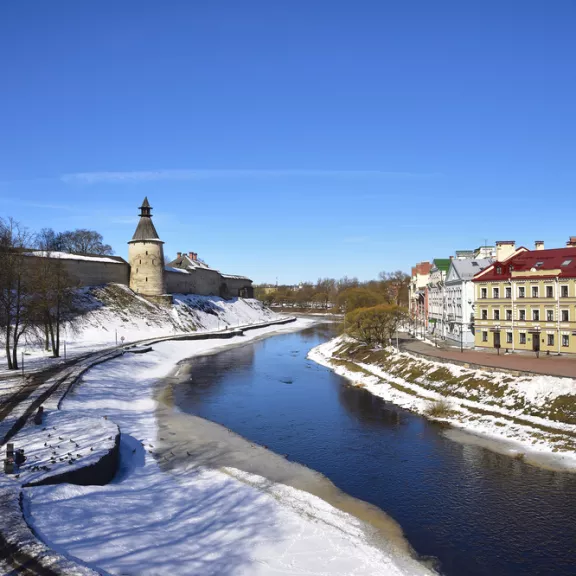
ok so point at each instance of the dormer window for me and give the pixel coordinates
(499, 270)
(511, 268)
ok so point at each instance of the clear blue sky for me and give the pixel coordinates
(293, 139)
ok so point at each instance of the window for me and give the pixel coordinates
(484, 336)
(496, 314)
(550, 339)
(146, 278)
(508, 292)
(508, 314)
(535, 315)
(534, 291)
(484, 314)
(508, 337)
(566, 262)
(483, 292)
(522, 337)
(549, 315)
(521, 314)
(538, 264)
(565, 340)
(496, 292)
(146, 252)
(521, 291)
(498, 270)
(564, 291)
(549, 291)
(565, 315)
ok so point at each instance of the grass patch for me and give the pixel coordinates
(438, 409)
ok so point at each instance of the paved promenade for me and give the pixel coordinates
(552, 365)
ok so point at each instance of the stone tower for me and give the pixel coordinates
(146, 257)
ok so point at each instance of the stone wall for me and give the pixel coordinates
(207, 283)
(146, 278)
(90, 272)
(147, 267)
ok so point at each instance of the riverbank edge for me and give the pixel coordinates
(378, 526)
(19, 544)
(418, 399)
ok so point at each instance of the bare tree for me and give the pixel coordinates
(15, 287)
(53, 300)
(82, 241)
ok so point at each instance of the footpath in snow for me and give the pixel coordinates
(524, 417)
(155, 519)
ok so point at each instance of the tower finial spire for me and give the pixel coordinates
(146, 209)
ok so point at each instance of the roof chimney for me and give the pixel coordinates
(178, 254)
(571, 242)
(539, 245)
(505, 249)
(191, 255)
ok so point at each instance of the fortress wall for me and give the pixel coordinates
(208, 282)
(199, 281)
(91, 273)
(239, 287)
(178, 283)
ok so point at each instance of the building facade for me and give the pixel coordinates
(527, 301)
(436, 320)
(418, 295)
(459, 300)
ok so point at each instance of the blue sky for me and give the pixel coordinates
(293, 139)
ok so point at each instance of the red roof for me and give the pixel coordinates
(563, 259)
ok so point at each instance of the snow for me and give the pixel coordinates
(65, 441)
(189, 519)
(536, 438)
(67, 256)
(115, 312)
(180, 270)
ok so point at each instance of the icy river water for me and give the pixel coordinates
(477, 512)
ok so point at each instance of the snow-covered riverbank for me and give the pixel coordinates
(191, 519)
(496, 409)
(112, 314)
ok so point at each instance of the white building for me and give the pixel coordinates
(436, 296)
(459, 298)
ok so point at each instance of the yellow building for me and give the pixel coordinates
(526, 300)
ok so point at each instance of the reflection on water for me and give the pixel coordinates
(479, 512)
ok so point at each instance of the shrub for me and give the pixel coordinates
(438, 409)
(374, 325)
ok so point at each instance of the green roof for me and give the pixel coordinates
(442, 263)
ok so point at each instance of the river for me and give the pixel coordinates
(476, 511)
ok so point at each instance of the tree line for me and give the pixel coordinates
(37, 296)
(342, 295)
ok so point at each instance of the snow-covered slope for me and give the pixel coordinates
(112, 312)
(115, 309)
(533, 415)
